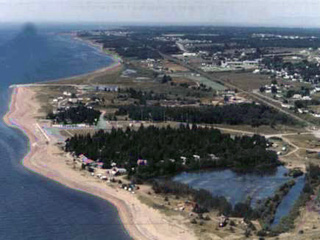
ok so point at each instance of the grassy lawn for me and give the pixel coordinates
(46, 94)
(305, 141)
(249, 81)
(244, 80)
(264, 129)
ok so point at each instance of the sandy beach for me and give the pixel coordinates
(45, 158)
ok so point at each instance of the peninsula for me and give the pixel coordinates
(121, 134)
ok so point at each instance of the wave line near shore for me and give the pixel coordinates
(139, 220)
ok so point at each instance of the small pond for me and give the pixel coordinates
(289, 200)
(236, 187)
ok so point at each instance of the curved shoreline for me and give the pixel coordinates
(34, 166)
(102, 70)
(140, 221)
(116, 61)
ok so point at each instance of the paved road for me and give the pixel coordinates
(314, 234)
(254, 96)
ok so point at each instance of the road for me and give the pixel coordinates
(283, 136)
(253, 95)
(43, 132)
(313, 234)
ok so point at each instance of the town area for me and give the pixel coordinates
(186, 104)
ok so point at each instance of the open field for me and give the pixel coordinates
(200, 80)
(172, 67)
(105, 74)
(244, 80)
(144, 80)
(169, 205)
(263, 130)
(305, 141)
(207, 230)
(45, 96)
(249, 81)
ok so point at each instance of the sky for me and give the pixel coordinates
(291, 13)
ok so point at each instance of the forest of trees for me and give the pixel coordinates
(142, 96)
(129, 48)
(234, 114)
(164, 147)
(204, 199)
(305, 104)
(75, 115)
(143, 42)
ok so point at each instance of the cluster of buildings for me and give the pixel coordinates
(222, 62)
(241, 64)
(70, 99)
(106, 88)
(291, 37)
(296, 77)
(118, 33)
(154, 64)
(67, 100)
(96, 168)
(84, 95)
(299, 95)
(230, 96)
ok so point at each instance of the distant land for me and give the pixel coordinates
(181, 109)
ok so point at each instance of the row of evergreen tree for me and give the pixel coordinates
(164, 147)
(75, 115)
(233, 114)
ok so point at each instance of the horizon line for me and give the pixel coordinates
(155, 24)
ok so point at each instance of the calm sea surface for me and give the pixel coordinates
(31, 206)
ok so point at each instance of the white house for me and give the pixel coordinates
(186, 54)
(297, 96)
(67, 93)
(307, 98)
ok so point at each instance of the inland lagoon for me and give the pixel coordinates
(237, 187)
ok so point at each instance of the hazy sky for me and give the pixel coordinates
(304, 13)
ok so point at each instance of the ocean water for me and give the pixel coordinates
(31, 206)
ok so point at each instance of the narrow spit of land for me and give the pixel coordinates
(45, 158)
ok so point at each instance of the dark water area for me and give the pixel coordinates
(34, 56)
(31, 206)
(289, 200)
(238, 187)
